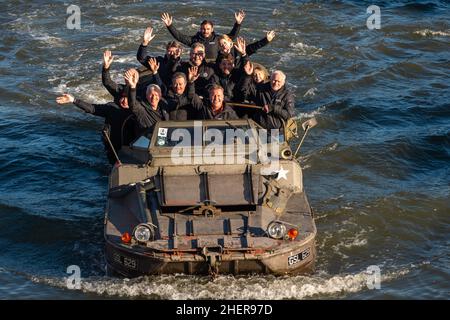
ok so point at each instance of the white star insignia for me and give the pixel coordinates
(282, 174)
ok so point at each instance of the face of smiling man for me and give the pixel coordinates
(153, 97)
(197, 55)
(179, 84)
(277, 81)
(216, 97)
(206, 30)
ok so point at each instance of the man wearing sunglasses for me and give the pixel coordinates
(205, 71)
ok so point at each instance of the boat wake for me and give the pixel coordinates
(182, 287)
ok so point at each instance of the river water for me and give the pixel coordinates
(376, 168)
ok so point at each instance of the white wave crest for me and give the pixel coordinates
(307, 115)
(311, 92)
(178, 287)
(431, 33)
(307, 50)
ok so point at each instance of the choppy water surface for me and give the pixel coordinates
(376, 169)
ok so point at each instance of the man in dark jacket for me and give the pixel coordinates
(178, 102)
(120, 92)
(227, 76)
(213, 108)
(206, 35)
(277, 100)
(119, 121)
(205, 71)
(168, 63)
(149, 110)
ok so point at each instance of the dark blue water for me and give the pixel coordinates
(376, 168)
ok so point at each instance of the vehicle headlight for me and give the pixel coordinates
(276, 230)
(142, 233)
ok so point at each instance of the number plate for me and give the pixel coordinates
(127, 262)
(296, 258)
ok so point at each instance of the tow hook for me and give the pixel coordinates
(212, 257)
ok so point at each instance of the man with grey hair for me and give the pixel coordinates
(277, 100)
(150, 110)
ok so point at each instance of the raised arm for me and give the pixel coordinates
(193, 97)
(239, 17)
(185, 39)
(113, 88)
(255, 46)
(94, 109)
(131, 78)
(142, 54)
(154, 67)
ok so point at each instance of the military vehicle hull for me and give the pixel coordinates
(286, 257)
(165, 216)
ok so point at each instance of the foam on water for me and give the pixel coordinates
(178, 287)
(306, 115)
(431, 33)
(307, 50)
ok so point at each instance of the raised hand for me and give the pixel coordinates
(65, 98)
(148, 36)
(270, 35)
(131, 78)
(239, 16)
(107, 59)
(193, 74)
(166, 18)
(240, 46)
(154, 65)
(248, 68)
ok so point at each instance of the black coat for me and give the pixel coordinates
(179, 106)
(211, 43)
(250, 49)
(146, 117)
(205, 71)
(167, 65)
(203, 107)
(120, 123)
(281, 103)
(281, 106)
(229, 82)
(120, 90)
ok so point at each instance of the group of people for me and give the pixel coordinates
(217, 76)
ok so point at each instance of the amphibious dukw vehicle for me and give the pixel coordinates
(179, 203)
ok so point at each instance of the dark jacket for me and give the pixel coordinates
(228, 82)
(119, 123)
(211, 43)
(116, 90)
(167, 65)
(179, 106)
(203, 107)
(120, 90)
(205, 71)
(249, 50)
(281, 103)
(281, 106)
(146, 117)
